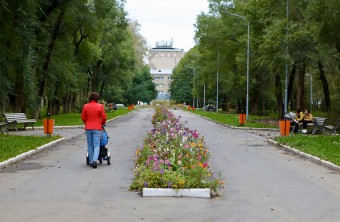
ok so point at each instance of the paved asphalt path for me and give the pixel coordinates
(262, 182)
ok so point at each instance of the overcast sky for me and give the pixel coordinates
(162, 20)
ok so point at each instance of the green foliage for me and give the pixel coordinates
(311, 40)
(59, 51)
(143, 89)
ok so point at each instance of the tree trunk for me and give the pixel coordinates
(255, 98)
(323, 79)
(57, 106)
(95, 76)
(263, 106)
(70, 102)
(255, 103)
(291, 86)
(76, 41)
(101, 89)
(301, 88)
(73, 102)
(239, 106)
(50, 107)
(279, 99)
(48, 57)
(18, 94)
(67, 103)
(225, 102)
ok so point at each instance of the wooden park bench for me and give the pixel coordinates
(210, 108)
(4, 127)
(18, 118)
(320, 124)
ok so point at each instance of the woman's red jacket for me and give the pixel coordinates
(93, 115)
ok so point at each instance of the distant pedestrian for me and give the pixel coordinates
(94, 117)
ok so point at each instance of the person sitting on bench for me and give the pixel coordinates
(298, 119)
(307, 118)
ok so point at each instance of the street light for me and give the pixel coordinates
(286, 77)
(217, 74)
(204, 97)
(311, 90)
(248, 49)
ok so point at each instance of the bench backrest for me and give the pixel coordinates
(320, 121)
(10, 117)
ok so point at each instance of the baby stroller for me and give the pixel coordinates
(104, 154)
(293, 125)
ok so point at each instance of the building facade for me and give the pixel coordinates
(163, 59)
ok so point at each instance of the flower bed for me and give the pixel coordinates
(172, 156)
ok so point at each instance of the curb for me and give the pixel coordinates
(19, 157)
(29, 153)
(62, 127)
(167, 192)
(313, 159)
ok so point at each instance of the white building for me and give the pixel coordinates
(163, 59)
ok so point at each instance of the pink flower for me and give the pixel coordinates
(179, 162)
(179, 157)
(194, 134)
(199, 157)
(186, 146)
(205, 164)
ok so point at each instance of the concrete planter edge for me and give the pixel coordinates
(168, 192)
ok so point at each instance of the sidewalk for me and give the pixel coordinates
(67, 132)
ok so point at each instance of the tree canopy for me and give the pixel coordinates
(56, 52)
(292, 38)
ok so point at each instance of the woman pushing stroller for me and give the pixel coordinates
(94, 117)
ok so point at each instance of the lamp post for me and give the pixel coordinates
(248, 50)
(286, 77)
(311, 90)
(204, 97)
(217, 74)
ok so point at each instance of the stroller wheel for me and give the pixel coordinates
(100, 160)
(87, 160)
(108, 160)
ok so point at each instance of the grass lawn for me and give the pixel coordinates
(233, 119)
(73, 119)
(11, 146)
(324, 147)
